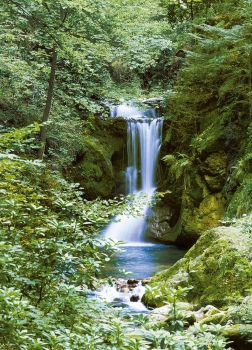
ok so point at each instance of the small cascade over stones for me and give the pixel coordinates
(144, 135)
(125, 294)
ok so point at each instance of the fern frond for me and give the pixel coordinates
(169, 159)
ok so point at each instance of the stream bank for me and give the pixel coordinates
(216, 272)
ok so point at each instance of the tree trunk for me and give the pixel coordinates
(250, 85)
(48, 104)
(191, 10)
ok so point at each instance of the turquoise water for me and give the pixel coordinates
(143, 260)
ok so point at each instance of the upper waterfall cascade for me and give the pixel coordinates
(144, 135)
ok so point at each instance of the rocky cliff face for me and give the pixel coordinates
(196, 200)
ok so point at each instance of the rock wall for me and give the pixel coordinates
(194, 198)
(99, 167)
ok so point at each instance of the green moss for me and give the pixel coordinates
(95, 170)
(215, 267)
(213, 319)
(239, 332)
(241, 202)
(211, 138)
(196, 220)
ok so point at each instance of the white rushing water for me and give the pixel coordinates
(122, 299)
(143, 144)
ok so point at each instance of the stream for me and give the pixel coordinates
(140, 255)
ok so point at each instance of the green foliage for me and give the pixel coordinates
(51, 252)
(179, 167)
(216, 74)
(173, 295)
(210, 106)
(97, 46)
(171, 334)
(241, 201)
(50, 247)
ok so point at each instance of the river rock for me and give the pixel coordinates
(213, 319)
(121, 284)
(158, 222)
(118, 304)
(132, 283)
(134, 297)
(160, 318)
(153, 101)
(163, 310)
(146, 281)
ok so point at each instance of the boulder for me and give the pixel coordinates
(134, 297)
(158, 222)
(215, 267)
(240, 335)
(192, 222)
(196, 220)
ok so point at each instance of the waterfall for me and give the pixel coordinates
(144, 134)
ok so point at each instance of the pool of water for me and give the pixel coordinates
(142, 260)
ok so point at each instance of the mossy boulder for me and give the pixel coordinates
(241, 201)
(203, 203)
(99, 168)
(200, 210)
(214, 164)
(196, 220)
(216, 267)
(240, 335)
(199, 185)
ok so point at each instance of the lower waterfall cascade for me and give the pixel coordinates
(144, 136)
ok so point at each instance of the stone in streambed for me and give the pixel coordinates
(135, 298)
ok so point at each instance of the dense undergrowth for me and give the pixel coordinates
(51, 254)
(209, 108)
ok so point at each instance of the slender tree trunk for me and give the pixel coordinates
(250, 85)
(48, 104)
(191, 10)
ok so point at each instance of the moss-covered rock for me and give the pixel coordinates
(99, 167)
(203, 203)
(241, 201)
(200, 211)
(198, 176)
(210, 139)
(240, 335)
(216, 267)
(196, 220)
(214, 164)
